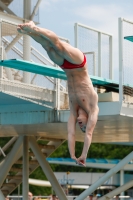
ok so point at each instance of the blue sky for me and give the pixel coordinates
(60, 15)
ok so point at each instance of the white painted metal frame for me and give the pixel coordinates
(2, 5)
(117, 191)
(120, 33)
(13, 42)
(10, 159)
(104, 178)
(121, 70)
(100, 33)
(26, 56)
(27, 41)
(35, 9)
(47, 169)
(57, 92)
(94, 61)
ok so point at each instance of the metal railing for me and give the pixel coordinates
(90, 39)
(125, 56)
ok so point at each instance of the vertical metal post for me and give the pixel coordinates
(27, 9)
(120, 34)
(47, 169)
(1, 196)
(94, 63)
(18, 192)
(25, 167)
(99, 55)
(110, 57)
(57, 93)
(76, 34)
(122, 179)
(26, 41)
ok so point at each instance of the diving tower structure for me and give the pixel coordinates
(34, 106)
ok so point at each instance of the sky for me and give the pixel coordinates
(61, 15)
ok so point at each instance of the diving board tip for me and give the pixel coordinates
(130, 38)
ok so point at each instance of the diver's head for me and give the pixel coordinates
(82, 119)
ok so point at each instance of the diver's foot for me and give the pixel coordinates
(26, 28)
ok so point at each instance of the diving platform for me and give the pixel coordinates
(55, 72)
(25, 116)
(29, 119)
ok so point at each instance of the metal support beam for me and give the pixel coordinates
(117, 191)
(99, 54)
(26, 41)
(120, 33)
(111, 57)
(8, 71)
(1, 49)
(7, 145)
(4, 7)
(101, 180)
(76, 34)
(25, 167)
(27, 9)
(10, 159)
(26, 56)
(13, 42)
(46, 169)
(122, 179)
(1, 196)
(57, 93)
(2, 152)
(35, 10)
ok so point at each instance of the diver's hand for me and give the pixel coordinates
(81, 161)
(74, 158)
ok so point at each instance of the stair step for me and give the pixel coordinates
(50, 139)
(13, 169)
(46, 146)
(32, 154)
(32, 162)
(9, 185)
(16, 177)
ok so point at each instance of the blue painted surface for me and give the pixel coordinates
(88, 160)
(34, 68)
(51, 71)
(130, 38)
